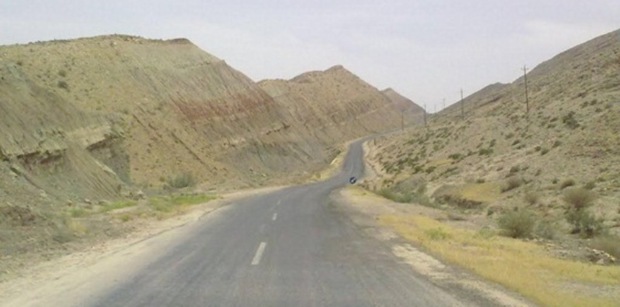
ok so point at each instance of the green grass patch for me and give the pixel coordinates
(192, 199)
(168, 204)
(117, 205)
(78, 212)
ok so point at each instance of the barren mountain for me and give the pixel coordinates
(334, 104)
(177, 109)
(489, 156)
(401, 102)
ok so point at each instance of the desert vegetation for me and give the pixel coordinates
(546, 181)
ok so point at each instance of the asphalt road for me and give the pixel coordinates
(287, 248)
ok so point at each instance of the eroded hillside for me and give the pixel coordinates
(180, 110)
(489, 156)
(337, 104)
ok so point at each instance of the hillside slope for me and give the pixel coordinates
(41, 135)
(335, 104)
(401, 102)
(182, 110)
(179, 107)
(93, 130)
(497, 157)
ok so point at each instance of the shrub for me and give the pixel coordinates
(515, 169)
(63, 84)
(584, 223)
(455, 156)
(77, 212)
(578, 198)
(531, 197)
(181, 181)
(407, 195)
(544, 151)
(570, 121)
(590, 185)
(485, 151)
(567, 183)
(512, 183)
(545, 230)
(517, 223)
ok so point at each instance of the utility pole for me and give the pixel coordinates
(425, 115)
(527, 100)
(462, 106)
(402, 120)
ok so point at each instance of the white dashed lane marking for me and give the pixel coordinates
(259, 253)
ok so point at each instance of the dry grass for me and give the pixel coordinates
(482, 192)
(521, 266)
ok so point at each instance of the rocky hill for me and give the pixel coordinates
(410, 109)
(142, 112)
(335, 104)
(495, 156)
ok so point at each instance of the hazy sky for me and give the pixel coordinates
(424, 49)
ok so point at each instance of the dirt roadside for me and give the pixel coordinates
(365, 209)
(79, 276)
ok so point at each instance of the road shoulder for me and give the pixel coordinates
(366, 210)
(82, 276)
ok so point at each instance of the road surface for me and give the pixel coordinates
(286, 248)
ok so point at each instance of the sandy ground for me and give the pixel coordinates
(77, 277)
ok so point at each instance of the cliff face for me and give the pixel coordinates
(143, 111)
